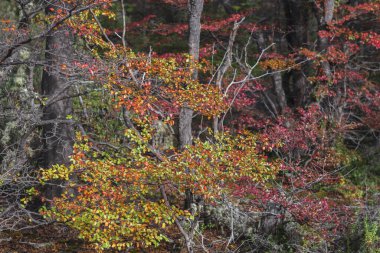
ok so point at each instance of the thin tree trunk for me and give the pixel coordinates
(323, 42)
(225, 65)
(195, 8)
(279, 91)
(186, 114)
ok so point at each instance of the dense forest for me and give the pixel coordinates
(189, 126)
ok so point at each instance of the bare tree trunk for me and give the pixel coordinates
(323, 42)
(279, 91)
(298, 18)
(58, 137)
(225, 65)
(195, 8)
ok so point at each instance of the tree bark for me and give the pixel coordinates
(57, 137)
(298, 20)
(279, 91)
(195, 8)
(225, 65)
(323, 42)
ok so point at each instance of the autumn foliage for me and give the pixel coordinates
(282, 113)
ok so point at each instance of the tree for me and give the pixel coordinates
(25, 111)
(275, 104)
(58, 138)
(186, 114)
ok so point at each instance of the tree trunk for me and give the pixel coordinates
(323, 42)
(298, 21)
(195, 8)
(279, 91)
(58, 137)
